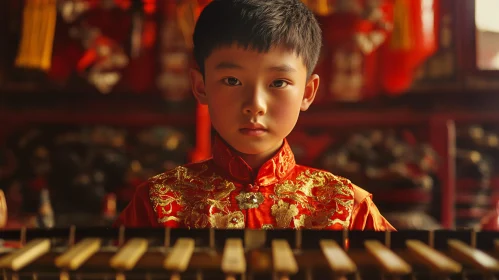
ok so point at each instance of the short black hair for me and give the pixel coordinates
(258, 25)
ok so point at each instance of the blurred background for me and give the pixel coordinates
(95, 98)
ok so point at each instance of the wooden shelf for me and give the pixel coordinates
(472, 116)
(133, 118)
(361, 118)
(392, 117)
(125, 118)
(77, 108)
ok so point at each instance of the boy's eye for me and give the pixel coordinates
(279, 83)
(231, 81)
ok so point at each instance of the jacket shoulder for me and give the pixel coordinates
(359, 194)
(192, 169)
(329, 178)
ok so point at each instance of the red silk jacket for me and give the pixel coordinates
(224, 192)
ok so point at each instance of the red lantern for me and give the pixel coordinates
(413, 39)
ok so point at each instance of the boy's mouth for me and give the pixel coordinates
(253, 129)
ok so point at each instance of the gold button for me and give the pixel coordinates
(252, 199)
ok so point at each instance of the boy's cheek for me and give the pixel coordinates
(285, 115)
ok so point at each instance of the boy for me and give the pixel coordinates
(255, 60)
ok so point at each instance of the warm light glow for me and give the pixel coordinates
(428, 16)
(486, 15)
(487, 34)
(495, 61)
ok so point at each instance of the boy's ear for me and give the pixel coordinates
(310, 91)
(198, 87)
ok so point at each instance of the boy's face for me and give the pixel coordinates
(254, 99)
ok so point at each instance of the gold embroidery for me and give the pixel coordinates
(267, 227)
(196, 198)
(284, 163)
(321, 193)
(300, 222)
(195, 195)
(318, 220)
(284, 213)
(194, 218)
(230, 221)
(248, 200)
(289, 190)
(168, 218)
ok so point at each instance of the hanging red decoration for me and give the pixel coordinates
(413, 40)
(353, 33)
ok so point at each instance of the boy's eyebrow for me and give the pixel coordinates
(228, 65)
(282, 68)
(277, 68)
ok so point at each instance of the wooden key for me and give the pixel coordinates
(254, 239)
(475, 257)
(78, 254)
(283, 258)
(339, 262)
(128, 256)
(27, 254)
(388, 260)
(438, 262)
(233, 261)
(179, 258)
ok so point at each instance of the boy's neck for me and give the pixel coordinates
(257, 160)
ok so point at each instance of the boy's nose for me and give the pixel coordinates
(255, 104)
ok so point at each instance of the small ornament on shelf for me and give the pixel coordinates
(103, 59)
(45, 217)
(71, 10)
(137, 28)
(159, 149)
(109, 212)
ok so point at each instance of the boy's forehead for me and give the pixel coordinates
(240, 53)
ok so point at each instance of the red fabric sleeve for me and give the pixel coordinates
(139, 212)
(365, 214)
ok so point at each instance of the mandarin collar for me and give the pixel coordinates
(271, 172)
